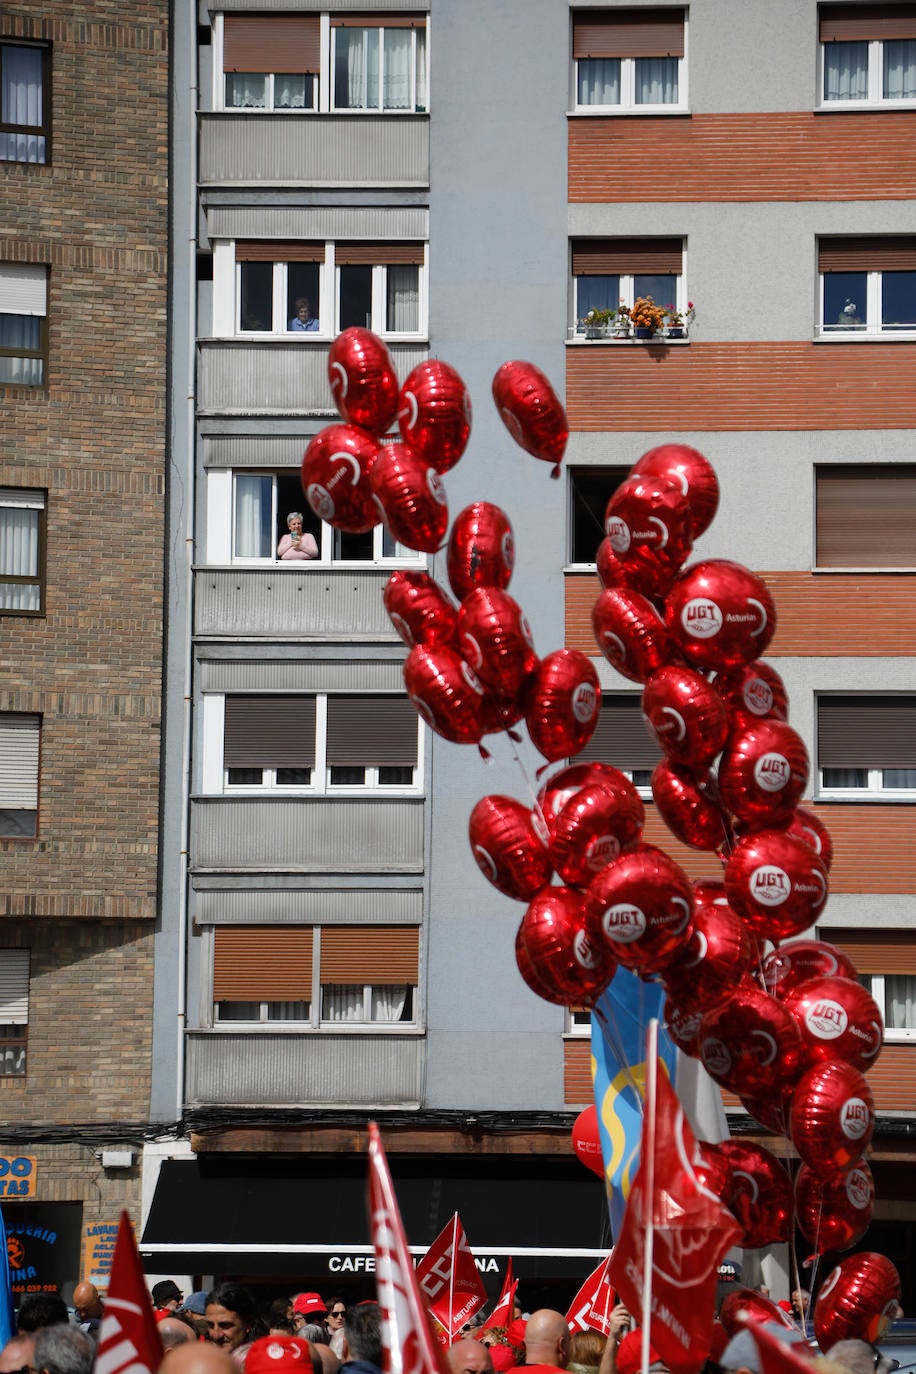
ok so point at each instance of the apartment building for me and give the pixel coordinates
(83, 241)
(469, 180)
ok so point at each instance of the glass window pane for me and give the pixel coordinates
(402, 306)
(256, 305)
(356, 69)
(353, 547)
(900, 1002)
(342, 1003)
(238, 1011)
(18, 542)
(21, 371)
(20, 331)
(845, 300)
(347, 775)
(656, 80)
(596, 293)
(288, 1011)
(390, 1003)
(421, 70)
(246, 91)
(14, 822)
(303, 283)
(598, 81)
(898, 777)
(900, 69)
(661, 286)
(355, 296)
(295, 91)
(845, 777)
(294, 777)
(389, 776)
(898, 300)
(845, 71)
(253, 532)
(397, 44)
(245, 777)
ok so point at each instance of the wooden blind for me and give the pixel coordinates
(866, 516)
(875, 951)
(861, 23)
(275, 251)
(607, 257)
(368, 254)
(621, 737)
(628, 33)
(370, 954)
(887, 253)
(20, 739)
(866, 732)
(262, 964)
(378, 21)
(272, 43)
(269, 732)
(372, 732)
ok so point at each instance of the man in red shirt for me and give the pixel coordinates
(546, 1342)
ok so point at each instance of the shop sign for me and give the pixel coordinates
(18, 1175)
(43, 1244)
(98, 1251)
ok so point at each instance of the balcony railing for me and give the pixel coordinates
(247, 149)
(300, 602)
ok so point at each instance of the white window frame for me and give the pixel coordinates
(627, 295)
(578, 1024)
(380, 109)
(218, 77)
(268, 107)
(627, 103)
(873, 327)
(875, 94)
(874, 790)
(892, 1035)
(20, 767)
(379, 323)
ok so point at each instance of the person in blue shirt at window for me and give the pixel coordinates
(303, 318)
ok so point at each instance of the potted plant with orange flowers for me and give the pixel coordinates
(646, 317)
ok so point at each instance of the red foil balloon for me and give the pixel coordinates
(838, 1019)
(687, 808)
(335, 477)
(834, 1213)
(714, 959)
(434, 413)
(695, 475)
(419, 609)
(563, 704)
(611, 572)
(685, 714)
(807, 826)
(721, 614)
(758, 1192)
(682, 1021)
(647, 521)
(771, 1109)
(750, 1042)
(858, 1301)
(363, 380)
(798, 960)
(776, 882)
(507, 847)
(586, 1140)
(753, 692)
(531, 411)
(630, 633)
(595, 826)
(641, 905)
(572, 967)
(563, 786)
(763, 772)
(481, 549)
(447, 693)
(748, 1304)
(832, 1118)
(411, 498)
(495, 639)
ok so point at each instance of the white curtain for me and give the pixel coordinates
(421, 69)
(356, 69)
(656, 80)
(899, 777)
(845, 777)
(900, 69)
(21, 103)
(900, 1002)
(18, 558)
(388, 1003)
(20, 331)
(598, 81)
(403, 314)
(246, 91)
(845, 71)
(396, 70)
(345, 1002)
(252, 516)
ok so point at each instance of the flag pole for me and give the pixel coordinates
(648, 1162)
(451, 1280)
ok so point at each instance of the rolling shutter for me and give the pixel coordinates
(274, 251)
(608, 257)
(621, 737)
(371, 732)
(866, 732)
(628, 33)
(370, 954)
(284, 43)
(887, 253)
(876, 951)
(866, 516)
(14, 987)
(269, 732)
(861, 23)
(19, 745)
(368, 254)
(262, 964)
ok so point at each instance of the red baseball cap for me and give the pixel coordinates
(279, 1355)
(309, 1305)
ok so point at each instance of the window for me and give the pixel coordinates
(590, 489)
(320, 743)
(628, 59)
(311, 290)
(866, 516)
(24, 127)
(874, 953)
(379, 67)
(866, 747)
(895, 994)
(868, 53)
(313, 977)
(20, 737)
(22, 551)
(868, 286)
(271, 62)
(622, 739)
(608, 271)
(579, 1022)
(23, 323)
(14, 1011)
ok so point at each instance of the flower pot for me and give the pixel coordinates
(644, 331)
(595, 331)
(675, 331)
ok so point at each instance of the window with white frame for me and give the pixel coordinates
(622, 739)
(628, 59)
(24, 102)
(380, 66)
(316, 977)
(590, 489)
(319, 743)
(23, 324)
(865, 515)
(20, 740)
(874, 952)
(607, 272)
(14, 1012)
(578, 1022)
(271, 61)
(866, 747)
(868, 286)
(895, 994)
(22, 551)
(868, 54)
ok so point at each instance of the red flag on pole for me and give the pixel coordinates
(779, 1356)
(450, 1280)
(592, 1306)
(683, 1229)
(505, 1303)
(128, 1336)
(408, 1346)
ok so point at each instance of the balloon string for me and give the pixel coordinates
(514, 741)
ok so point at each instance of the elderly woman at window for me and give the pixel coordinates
(296, 546)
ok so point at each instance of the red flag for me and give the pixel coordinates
(408, 1346)
(592, 1306)
(129, 1334)
(450, 1280)
(505, 1303)
(690, 1232)
(779, 1356)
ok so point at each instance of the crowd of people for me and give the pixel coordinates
(228, 1330)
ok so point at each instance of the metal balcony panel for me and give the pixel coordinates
(313, 149)
(264, 1070)
(308, 834)
(318, 675)
(275, 6)
(318, 222)
(316, 906)
(321, 603)
(275, 376)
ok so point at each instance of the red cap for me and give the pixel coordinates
(503, 1357)
(279, 1355)
(516, 1331)
(309, 1305)
(629, 1354)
